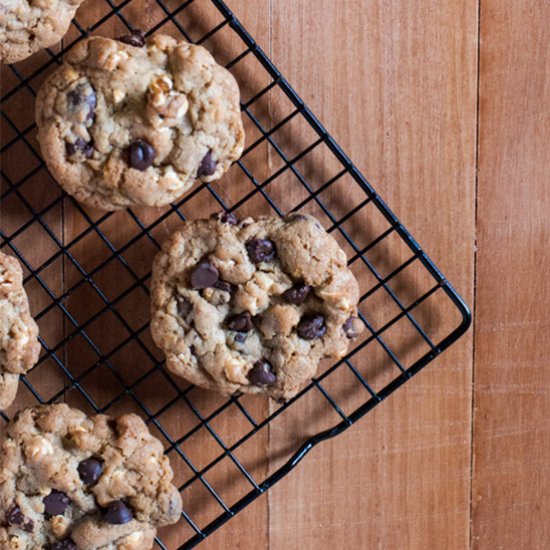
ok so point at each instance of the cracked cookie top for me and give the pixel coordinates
(27, 26)
(70, 482)
(19, 346)
(132, 122)
(252, 306)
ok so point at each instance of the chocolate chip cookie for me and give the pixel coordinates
(70, 482)
(252, 306)
(30, 25)
(19, 347)
(132, 122)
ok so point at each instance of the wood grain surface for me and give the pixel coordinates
(511, 482)
(445, 107)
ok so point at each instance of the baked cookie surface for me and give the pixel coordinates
(132, 122)
(19, 346)
(27, 26)
(68, 482)
(252, 306)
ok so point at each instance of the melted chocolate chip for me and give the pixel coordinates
(208, 165)
(113, 424)
(349, 327)
(74, 98)
(184, 307)
(134, 38)
(142, 154)
(16, 517)
(260, 250)
(204, 275)
(297, 294)
(245, 223)
(240, 337)
(90, 470)
(311, 327)
(261, 374)
(66, 544)
(83, 95)
(91, 101)
(118, 513)
(226, 217)
(28, 525)
(225, 286)
(86, 148)
(56, 503)
(241, 322)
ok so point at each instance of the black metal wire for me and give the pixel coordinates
(67, 254)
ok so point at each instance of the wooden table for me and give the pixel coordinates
(445, 107)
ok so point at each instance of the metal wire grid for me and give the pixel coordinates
(348, 222)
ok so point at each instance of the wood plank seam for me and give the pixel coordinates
(474, 274)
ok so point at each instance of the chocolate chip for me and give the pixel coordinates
(28, 525)
(225, 286)
(204, 275)
(90, 470)
(118, 513)
(56, 503)
(241, 322)
(226, 217)
(246, 223)
(311, 327)
(208, 165)
(113, 424)
(66, 544)
(16, 517)
(240, 337)
(74, 98)
(261, 374)
(134, 38)
(297, 294)
(83, 95)
(86, 148)
(184, 307)
(260, 250)
(349, 327)
(91, 101)
(142, 154)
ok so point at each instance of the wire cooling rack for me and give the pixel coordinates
(87, 275)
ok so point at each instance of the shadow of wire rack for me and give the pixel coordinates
(88, 277)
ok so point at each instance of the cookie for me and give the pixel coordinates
(132, 122)
(70, 482)
(28, 26)
(253, 306)
(19, 347)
